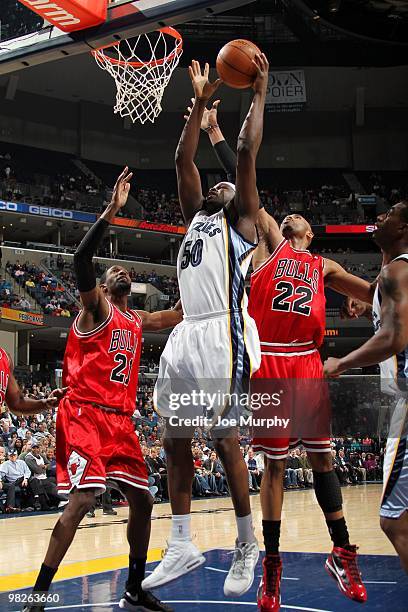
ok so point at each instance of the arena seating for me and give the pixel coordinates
(356, 459)
(45, 289)
(322, 196)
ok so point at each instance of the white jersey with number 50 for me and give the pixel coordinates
(396, 367)
(216, 347)
(212, 265)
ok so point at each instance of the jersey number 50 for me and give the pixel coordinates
(192, 254)
(300, 305)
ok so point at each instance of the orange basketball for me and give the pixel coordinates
(234, 63)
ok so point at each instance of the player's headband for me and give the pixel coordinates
(230, 185)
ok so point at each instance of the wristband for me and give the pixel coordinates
(211, 128)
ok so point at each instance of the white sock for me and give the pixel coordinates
(181, 527)
(245, 528)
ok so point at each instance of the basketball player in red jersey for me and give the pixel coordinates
(288, 304)
(12, 396)
(96, 439)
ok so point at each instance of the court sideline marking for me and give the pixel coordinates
(23, 580)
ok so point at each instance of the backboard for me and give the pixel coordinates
(126, 18)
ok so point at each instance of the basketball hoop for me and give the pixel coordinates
(140, 83)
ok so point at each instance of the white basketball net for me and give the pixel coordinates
(140, 82)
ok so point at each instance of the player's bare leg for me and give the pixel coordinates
(396, 531)
(80, 502)
(182, 555)
(241, 574)
(271, 503)
(237, 474)
(180, 470)
(138, 535)
(341, 564)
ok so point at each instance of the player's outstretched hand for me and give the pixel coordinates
(262, 66)
(121, 190)
(55, 397)
(352, 308)
(209, 116)
(203, 89)
(332, 367)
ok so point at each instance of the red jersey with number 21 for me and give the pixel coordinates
(287, 298)
(102, 366)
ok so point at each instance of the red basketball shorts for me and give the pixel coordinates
(299, 378)
(94, 445)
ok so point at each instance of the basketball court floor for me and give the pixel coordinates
(95, 569)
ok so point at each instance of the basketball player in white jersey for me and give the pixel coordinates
(216, 346)
(389, 348)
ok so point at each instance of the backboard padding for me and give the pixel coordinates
(125, 20)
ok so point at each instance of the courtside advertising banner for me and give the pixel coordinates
(286, 91)
(32, 318)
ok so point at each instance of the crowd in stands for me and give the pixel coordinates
(17, 20)
(28, 466)
(329, 204)
(160, 207)
(66, 187)
(168, 285)
(44, 288)
(9, 299)
(389, 188)
(27, 459)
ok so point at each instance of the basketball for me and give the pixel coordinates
(234, 63)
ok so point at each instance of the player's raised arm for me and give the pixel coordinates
(225, 155)
(162, 319)
(249, 141)
(95, 306)
(188, 177)
(392, 337)
(268, 230)
(18, 404)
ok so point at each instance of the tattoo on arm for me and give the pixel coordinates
(390, 288)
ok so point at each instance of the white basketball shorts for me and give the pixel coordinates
(206, 360)
(395, 489)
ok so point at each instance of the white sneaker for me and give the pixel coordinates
(180, 558)
(241, 574)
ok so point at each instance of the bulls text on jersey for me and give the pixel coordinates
(292, 268)
(123, 340)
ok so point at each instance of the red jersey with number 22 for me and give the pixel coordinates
(102, 366)
(287, 297)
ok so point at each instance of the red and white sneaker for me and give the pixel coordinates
(268, 595)
(341, 564)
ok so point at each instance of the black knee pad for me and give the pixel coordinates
(328, 491)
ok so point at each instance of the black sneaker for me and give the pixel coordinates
(144, 601)
(110, 512)
(90, 514)
(34, 609)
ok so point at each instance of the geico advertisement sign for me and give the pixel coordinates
(32, 209)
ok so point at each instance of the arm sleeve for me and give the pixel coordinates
(83, 267)
(227, 159)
